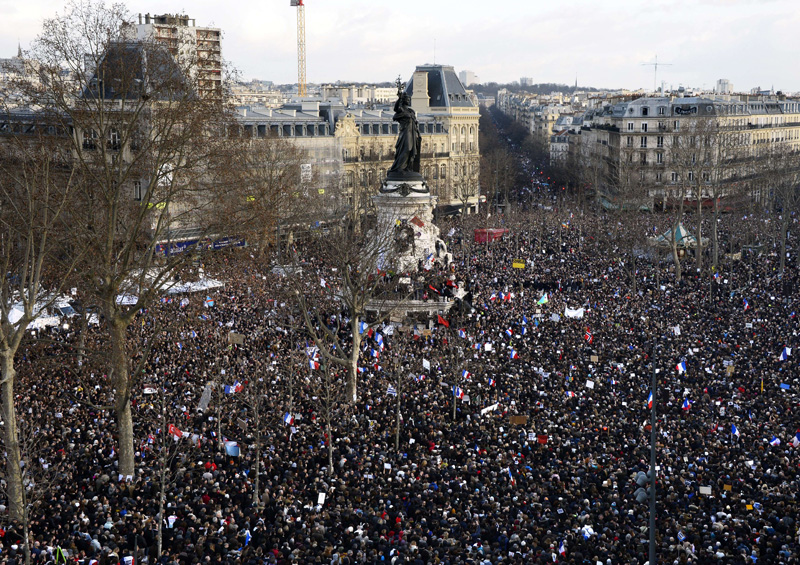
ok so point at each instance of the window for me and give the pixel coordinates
(113, 139)
(643, 158)
(658, 177)
(706, 177)
(643, 141)
(89, 139)
(676, 125)
(660, 141)
(691, 176)
(645, 110)
(644, 126)
(694, 158)
(137, 190)
(444, 172)
(673, 177)
(630, 126)
(662, 110)
(629, 141)
(659, 158)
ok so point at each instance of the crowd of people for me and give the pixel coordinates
(510, 429)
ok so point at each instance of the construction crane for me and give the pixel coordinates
(301, 47)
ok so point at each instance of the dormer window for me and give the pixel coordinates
(645, 110)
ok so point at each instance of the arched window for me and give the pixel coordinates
(444, 171)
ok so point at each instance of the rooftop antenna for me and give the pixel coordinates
(655, 66)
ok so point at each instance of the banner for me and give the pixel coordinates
(570, 313)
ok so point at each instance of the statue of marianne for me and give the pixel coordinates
(407, 147)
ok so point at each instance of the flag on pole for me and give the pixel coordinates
(510, 476)
(746, 304)
(362, 327)
(391, 391)
(442, 321)
(543, 299)
(786, 353)
(462, 333)
(379, 340)
(493, 296)
(735, 431)
(208, 302)
(313, 364)
(288, 419)
(588, 335)
(173, 431)
(796, 439)
(458, 393)
(509, 333)
(513, 354)
(650, 400)
(524, 320)
(235, 387)
(681, 367)
(775, 442)
(562, 551)
(686, 404)
(492, 382)
(465, 375)
(570, 394)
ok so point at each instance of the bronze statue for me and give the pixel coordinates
(407, 147)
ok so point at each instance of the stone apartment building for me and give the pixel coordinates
(351, 148)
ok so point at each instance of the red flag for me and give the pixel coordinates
(417, 222)
(434, 289)
(442, 321)
(175, 431)
(541, 438)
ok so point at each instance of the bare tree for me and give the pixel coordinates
(334, 309)
(144, 128)
(37, 185)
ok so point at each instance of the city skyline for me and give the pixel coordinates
(750, 43)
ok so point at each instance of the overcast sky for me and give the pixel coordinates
(603, 42)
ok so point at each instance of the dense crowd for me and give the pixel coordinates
(536, 463)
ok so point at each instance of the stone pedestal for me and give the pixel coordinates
(405, 217)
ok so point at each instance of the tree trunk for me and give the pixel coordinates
(352, 369)
(122, 398)
(715, 237)
(699, 248)
(784, 232)
(11, 439)
(329, 442)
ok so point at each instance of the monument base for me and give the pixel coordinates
(405, 216)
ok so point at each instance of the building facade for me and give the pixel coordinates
(702, 147)
(199, 48)
(351, 148)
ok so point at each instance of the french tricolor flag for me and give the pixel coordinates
(746, 304)
(650, 400)
(493, 296)
(570, 394)
(509, 333)
(681, 367)
(774, 442)
(462, 333)
(492, 382)
(686, 404)
(513, 354)
(288, 419)
(457, 392)
(313, 364)
(465, 374)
